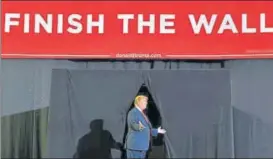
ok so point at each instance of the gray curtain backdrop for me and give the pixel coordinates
(108, 95)
(28, 81)
(197, 119)
(196, 109)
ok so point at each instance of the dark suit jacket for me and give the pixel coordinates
(138, 139)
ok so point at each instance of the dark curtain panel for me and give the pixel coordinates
(195, 107)
(88, 112)
(252, 90)
(24, 135)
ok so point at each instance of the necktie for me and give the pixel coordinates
(146, 118)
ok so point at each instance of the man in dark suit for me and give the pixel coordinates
(140, 130)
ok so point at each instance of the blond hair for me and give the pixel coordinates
(138, 98)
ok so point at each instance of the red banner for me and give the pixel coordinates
(137, 29)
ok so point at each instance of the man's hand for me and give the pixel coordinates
(141, 126)
(161, 131)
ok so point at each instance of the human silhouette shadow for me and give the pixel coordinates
(96, 144)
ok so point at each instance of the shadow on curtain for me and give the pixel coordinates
(82, 96)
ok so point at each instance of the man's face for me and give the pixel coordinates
(143, 102)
